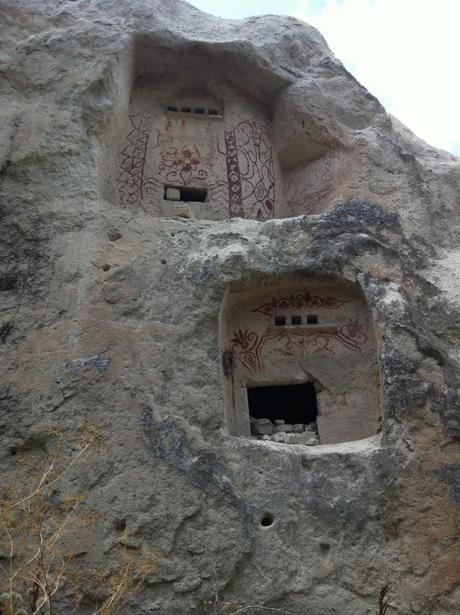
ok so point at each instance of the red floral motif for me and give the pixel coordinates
(298, 302)
(185, 164)
(248, 346)
(352, 335)
(188, 160)
(247, 343)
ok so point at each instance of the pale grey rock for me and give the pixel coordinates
(297, 428)
(292, 438)
(287, 428)
(300, 438)
(262, 427)
(173, 194)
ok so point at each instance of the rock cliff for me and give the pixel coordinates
(112, 309)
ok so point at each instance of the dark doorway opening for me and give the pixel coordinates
(293, 403)
(185, 193)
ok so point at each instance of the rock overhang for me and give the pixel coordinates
(133, 301)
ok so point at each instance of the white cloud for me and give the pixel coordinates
(405, 52)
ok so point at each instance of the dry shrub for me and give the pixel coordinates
(40, 534)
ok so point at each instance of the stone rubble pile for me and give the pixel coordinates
(280, 431)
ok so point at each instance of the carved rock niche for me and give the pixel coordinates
(300, 353)
(200, 150)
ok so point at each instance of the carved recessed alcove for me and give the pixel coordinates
(326, 370)
(197, 117)
(192, 131)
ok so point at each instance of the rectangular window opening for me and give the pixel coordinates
(186, 194)
(201, 111)
(293, 403)
(312, 319)
(296, 320)
(280, 321)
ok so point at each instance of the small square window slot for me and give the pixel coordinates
(185, 193)
(199, 110)
(280, 321)
(296, 320)
(213, 112)
(186, 109)
(172, 108)
(312, 319)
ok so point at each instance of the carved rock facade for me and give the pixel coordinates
(117, 311)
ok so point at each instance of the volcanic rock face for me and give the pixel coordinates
(156, 165)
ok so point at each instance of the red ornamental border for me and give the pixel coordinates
(248, 345)
(298, 302)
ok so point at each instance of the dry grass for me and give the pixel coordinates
(40, 532)
(221, 607)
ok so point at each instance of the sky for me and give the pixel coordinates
(405, 52)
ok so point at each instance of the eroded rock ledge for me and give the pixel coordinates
(173, 186)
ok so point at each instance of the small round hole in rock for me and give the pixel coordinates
(106, 267)
(267, 519)
(119, 525)
(13, 451)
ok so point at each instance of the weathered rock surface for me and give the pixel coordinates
(109, 319)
